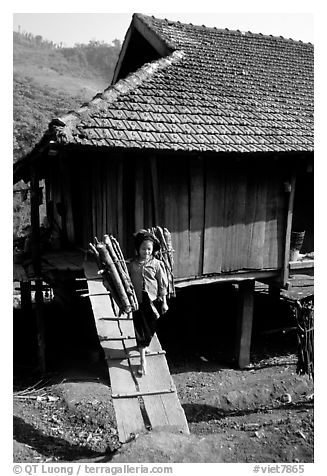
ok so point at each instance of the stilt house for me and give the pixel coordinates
(205, 131)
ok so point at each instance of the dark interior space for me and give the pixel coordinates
(138, 53)
(71, 343)
(303, 213)
(200, 323)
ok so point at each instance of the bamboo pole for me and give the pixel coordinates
(140, 393)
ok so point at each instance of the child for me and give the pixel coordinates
(150, 281)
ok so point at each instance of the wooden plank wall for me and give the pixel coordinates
(93, 194)
(101, 188)
(223, 216)
(255, 211)
(66, 191)
(214, 219)
(54, 190)
(174, 175)
(196, 216)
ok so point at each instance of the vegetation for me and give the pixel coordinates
(50, 80)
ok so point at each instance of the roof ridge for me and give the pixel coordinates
(123, 86)
(213, 28)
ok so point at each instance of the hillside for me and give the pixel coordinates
(48, 81)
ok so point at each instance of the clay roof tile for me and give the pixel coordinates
(218, 90)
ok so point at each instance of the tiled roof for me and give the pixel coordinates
(218, 90)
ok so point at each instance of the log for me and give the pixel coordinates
(124, 276)
(167, 236)
(120, 256)
(110, 268)
(244, 325)
(165, 255)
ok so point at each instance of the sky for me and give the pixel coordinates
(71, 28)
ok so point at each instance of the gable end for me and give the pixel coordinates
(141, 45)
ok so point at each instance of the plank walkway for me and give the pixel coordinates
(140, 402)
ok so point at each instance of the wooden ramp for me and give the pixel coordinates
(140, 402)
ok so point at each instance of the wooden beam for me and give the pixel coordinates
(288, 230)
(122, 337)
(304, 264)
(244, 323)
(36, 264)
(140, 394)
(226, 278)
(137, 356)
(35, 223)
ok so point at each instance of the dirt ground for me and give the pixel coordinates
(264, 414)
(261, 414)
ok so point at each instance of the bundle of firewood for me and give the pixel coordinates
(112, 267)
(303, 312)
(165, 254)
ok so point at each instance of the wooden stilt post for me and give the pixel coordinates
(289, 218)
(36, 262)
(274, 291)
(40, 323)
(25, 296)
(244, 324)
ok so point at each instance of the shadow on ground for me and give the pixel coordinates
(197, 412)
(46, 445)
